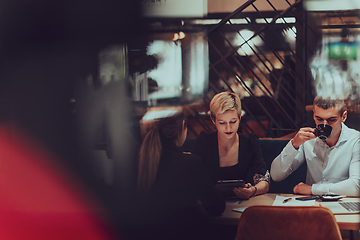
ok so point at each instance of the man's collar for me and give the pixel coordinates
(343, 134)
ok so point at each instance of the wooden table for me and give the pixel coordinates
(229, 217)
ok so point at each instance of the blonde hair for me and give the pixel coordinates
(151, 147)
(224, 101)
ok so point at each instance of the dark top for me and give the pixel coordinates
(249, 159)
(181, 181)
(230, 172)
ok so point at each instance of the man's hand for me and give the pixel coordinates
(303, 135)
(245, 192)
(302, 188)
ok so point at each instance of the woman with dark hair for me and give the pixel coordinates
(171, 183)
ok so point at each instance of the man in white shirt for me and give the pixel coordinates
(333, 165)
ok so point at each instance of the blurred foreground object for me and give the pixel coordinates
(40, 199)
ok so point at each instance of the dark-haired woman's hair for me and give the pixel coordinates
(149, 157)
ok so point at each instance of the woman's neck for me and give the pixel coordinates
(228, 151)
(227, 143)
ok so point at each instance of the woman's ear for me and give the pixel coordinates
(182, 135)
(183, 125)
(212, 119)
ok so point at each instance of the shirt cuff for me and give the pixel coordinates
(320, 189)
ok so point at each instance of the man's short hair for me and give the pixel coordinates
(326, 103)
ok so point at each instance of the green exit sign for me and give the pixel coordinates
(343, 50)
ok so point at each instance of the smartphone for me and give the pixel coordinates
(306, 198)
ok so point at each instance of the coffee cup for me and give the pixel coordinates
(323, 131)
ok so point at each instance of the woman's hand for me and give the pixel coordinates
(245, 192)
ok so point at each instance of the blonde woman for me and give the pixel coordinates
(229, 155)
(172, 182)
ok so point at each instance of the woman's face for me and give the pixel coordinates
(227, 123)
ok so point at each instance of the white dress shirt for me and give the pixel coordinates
(330, 170)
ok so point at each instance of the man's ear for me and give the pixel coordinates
(313, 111)
(344, 116)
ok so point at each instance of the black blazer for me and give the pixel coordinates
(250, 156)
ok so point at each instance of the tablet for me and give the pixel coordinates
(231, 183)
(225, 187)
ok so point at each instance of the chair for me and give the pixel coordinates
(281, 223)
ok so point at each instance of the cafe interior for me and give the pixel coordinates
(82, 82)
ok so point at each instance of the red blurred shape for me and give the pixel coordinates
(39, 199)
